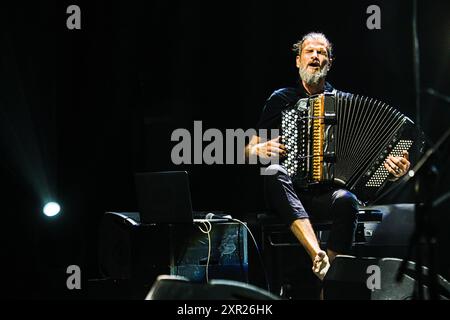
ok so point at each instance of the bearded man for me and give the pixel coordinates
(295, 204)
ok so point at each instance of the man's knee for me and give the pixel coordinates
(346, 201)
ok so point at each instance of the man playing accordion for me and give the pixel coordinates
(295, 204)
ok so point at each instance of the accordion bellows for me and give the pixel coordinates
(343, 139)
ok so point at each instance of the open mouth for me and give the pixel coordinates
(314, 64)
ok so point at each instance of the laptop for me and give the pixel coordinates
(164, 197)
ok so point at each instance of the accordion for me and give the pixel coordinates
(343, 139)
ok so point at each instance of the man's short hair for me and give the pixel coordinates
(298, 46)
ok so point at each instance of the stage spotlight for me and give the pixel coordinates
(51, 209)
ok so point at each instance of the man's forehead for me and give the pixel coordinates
(315, 43)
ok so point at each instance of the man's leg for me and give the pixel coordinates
(344, 209)
(282, 199)
(340, 206)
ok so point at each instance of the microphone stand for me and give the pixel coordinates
(426, 178)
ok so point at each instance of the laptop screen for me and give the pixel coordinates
(164, 197)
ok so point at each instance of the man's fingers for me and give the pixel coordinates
(276, 150)
(276, 144)
(406, 155)
(390, 163)
(391, 167)
(402, 166)
(397, 164)
(279, 145)
(277, 139)
(394, 160)
(402, 162)
(271, 148)
(388, 168)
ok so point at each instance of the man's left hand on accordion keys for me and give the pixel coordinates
(397, 166)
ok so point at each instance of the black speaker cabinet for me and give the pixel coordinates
(130, 250)
(352, 278)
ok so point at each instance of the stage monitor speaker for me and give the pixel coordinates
(349, 278)
(169, 287)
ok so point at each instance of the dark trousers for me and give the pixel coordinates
(291, 203)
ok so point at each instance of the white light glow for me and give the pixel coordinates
(51, 209)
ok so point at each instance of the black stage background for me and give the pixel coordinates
(82, 110)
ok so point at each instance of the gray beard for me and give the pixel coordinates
(313, 78)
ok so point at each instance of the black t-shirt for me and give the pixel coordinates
(280, 100)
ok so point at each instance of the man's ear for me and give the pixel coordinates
(330, 63)
(297, 61)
